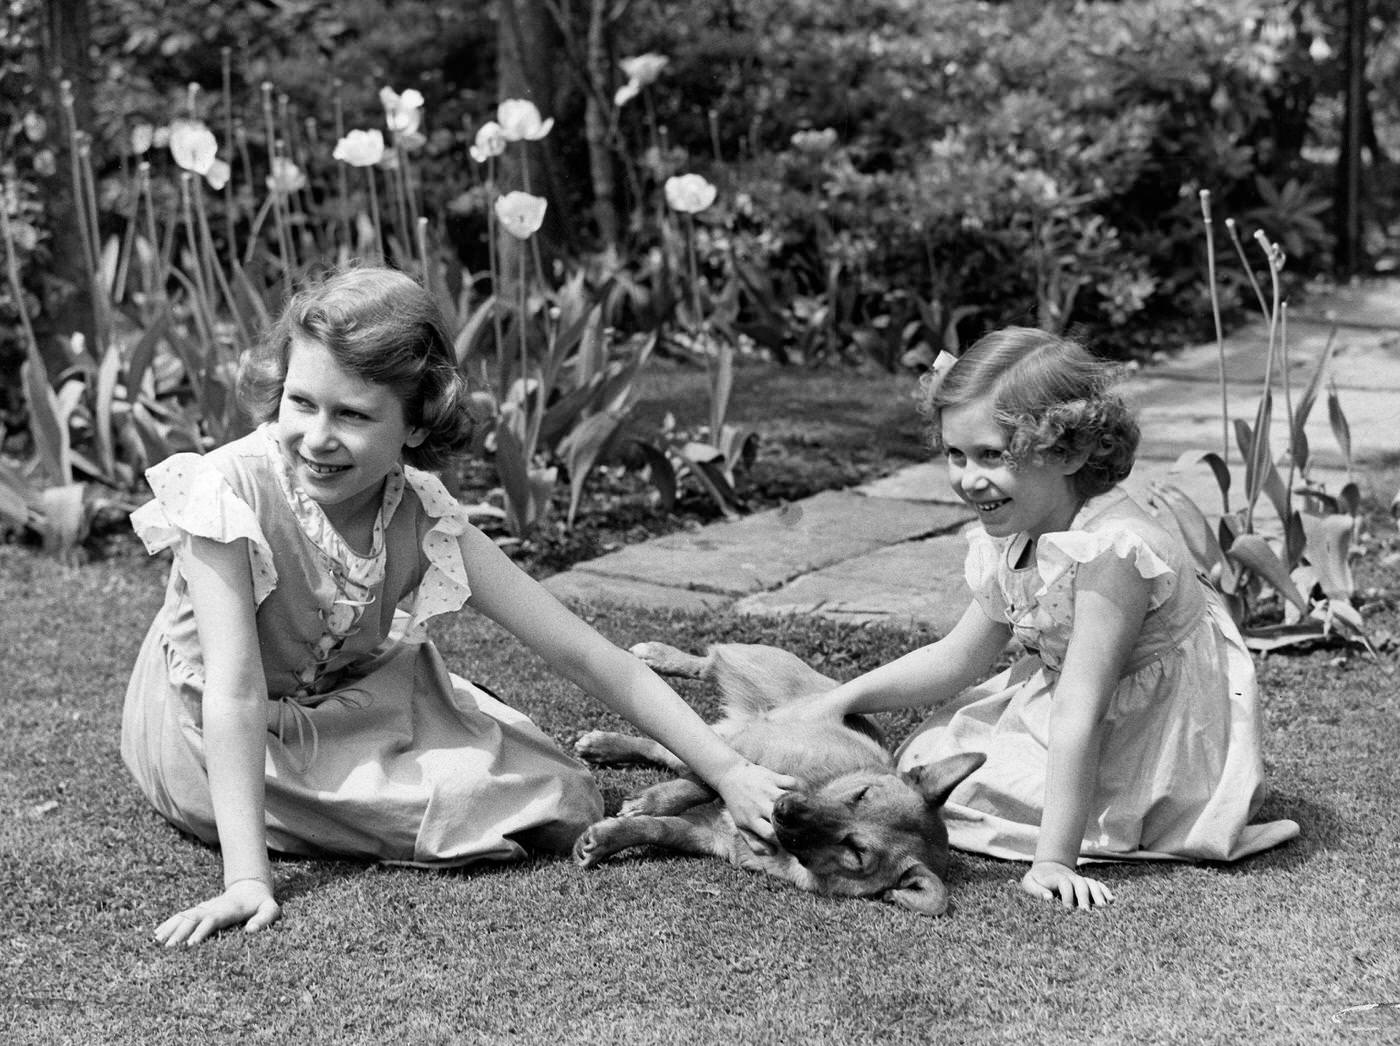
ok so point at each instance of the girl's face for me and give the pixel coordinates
(341, 434)
(1036, 498)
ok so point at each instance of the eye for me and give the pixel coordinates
(856, 850)
(859, 795)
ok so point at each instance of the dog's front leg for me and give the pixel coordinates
(694, 833)
(667, 798)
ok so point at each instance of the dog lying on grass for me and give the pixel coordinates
(856, 828)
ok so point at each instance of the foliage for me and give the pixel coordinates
(1308, 562)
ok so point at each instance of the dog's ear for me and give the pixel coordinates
(937, 780)
(919, 891)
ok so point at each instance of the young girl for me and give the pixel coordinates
(287, 696)
(1128, 728)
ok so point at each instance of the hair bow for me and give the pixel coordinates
(942, 364)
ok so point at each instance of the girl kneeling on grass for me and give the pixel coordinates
(1128, 729)
(287, 695)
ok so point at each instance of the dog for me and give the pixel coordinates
(856, 827)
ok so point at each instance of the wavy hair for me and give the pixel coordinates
(383, 327)
(1051, 397)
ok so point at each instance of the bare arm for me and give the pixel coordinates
(925, 677)
(512, 599)
(235, 741)
(1109, 607)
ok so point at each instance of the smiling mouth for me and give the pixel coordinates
(316, 468)
(985, 507)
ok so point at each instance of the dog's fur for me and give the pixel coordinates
(856, 826)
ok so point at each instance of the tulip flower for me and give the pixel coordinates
(218, 175)
(644, 69)
(520, 121)
(521, 214)
(689, 193)
(193, 146)
(489, 142)
(360, 148)
(286, 177)
(402, 112)
(142, 136)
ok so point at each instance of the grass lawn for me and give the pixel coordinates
(657, 949)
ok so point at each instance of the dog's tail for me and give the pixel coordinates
(754, 678)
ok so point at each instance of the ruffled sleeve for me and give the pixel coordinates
(984, 553)
(1061, 552)
(444, 588)
(194, 499)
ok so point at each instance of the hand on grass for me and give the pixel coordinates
(248, 901)
(1048, 879)
(749, 792)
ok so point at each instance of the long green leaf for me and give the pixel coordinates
(663, 473)
(1252, 551)
(1338, 420)
(1329, 552)
(102, 410)
(1305, 402)
(46, 423)
(1193, 526)
(581, 449)
(15, 496)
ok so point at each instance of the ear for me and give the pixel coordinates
(937, 780)
(919, 891)
(416, 437)
(1069, 466)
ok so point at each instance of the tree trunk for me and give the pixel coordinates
(527, 46)
(65, 40)
(600, 159)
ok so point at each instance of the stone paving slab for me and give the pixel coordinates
(919, 582)
(1361, 358)
(766, 549)
(1172, 423)
(1372, 303)
(578, 586)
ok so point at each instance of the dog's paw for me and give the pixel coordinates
(666, 660)
(603, 747)
(636, 806)
(591, 847)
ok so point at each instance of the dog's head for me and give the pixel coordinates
(876, 832)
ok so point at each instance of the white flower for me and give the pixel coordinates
(1319, 50)
(360, 148)
(521, 214)
(142, 135)
(519, 120)
(814, 142)
(286, 177)
(218, 175)
(489, 142)
(626, 93)
(193, 146)
(689, 193)
(403, 113)
(644, 68)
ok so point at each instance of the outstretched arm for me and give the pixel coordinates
(925, 677)
(512, 599)
(235, 742)
(1109, 607)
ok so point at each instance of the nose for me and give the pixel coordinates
(971, 478)
(320, 431)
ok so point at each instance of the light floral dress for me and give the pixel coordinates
(374, 749)
(1180, 772)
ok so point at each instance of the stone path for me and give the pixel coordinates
(893, 549)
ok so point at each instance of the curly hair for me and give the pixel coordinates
(383, 327)
(1051, 397)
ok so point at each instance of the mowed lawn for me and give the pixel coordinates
(653, 948)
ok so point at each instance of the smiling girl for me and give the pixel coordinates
(1127, 726)
(287, 696)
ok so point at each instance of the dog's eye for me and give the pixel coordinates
(857, 851)
(859, 795)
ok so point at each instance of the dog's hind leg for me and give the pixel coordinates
(668, 797)
(605, 748)
(696, 833)
(668, 661)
